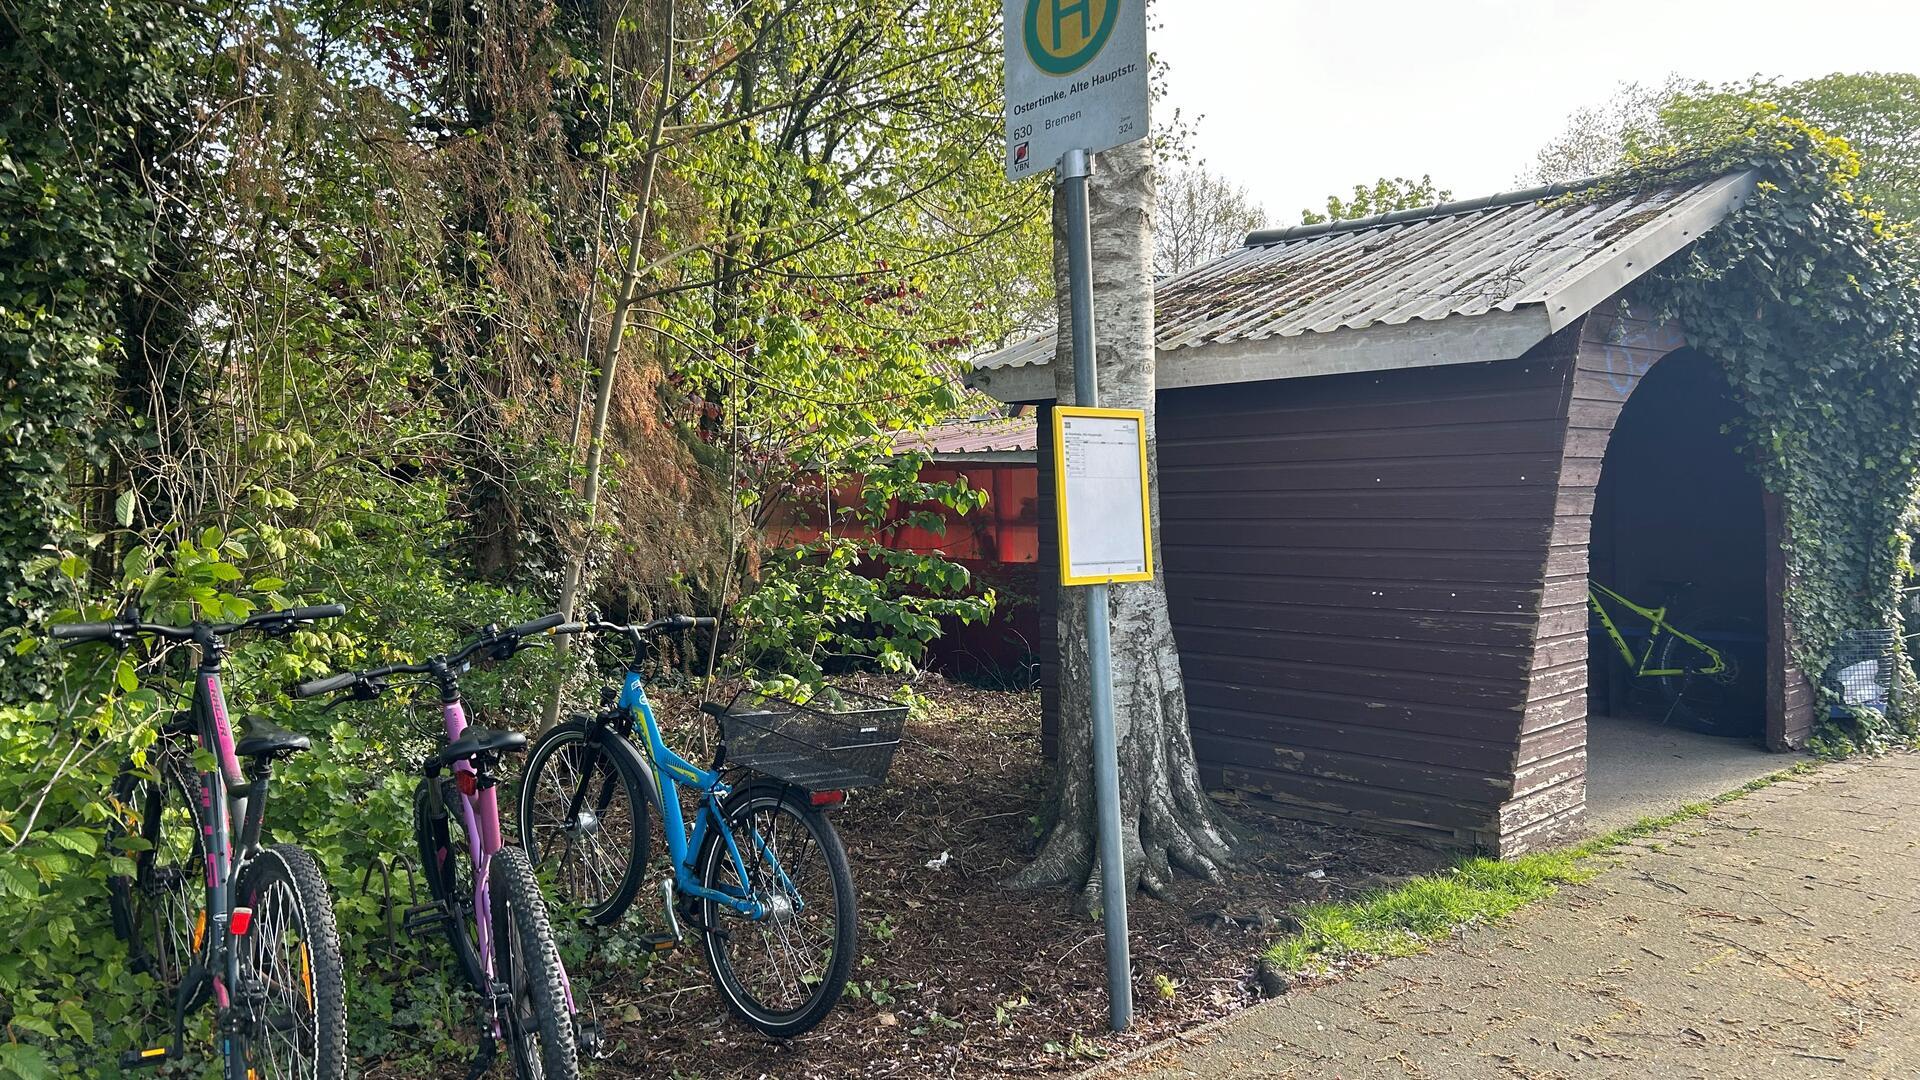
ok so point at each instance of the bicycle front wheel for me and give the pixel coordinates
(539, 1026)
(293, 993)
(784, 972)
(583, 818)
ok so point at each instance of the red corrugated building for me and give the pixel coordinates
(999, 545)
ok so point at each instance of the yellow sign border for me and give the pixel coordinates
(1139, 416)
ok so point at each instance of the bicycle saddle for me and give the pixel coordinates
(261, 737)
(476, 740)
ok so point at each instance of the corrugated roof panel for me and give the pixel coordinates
(1013, 434)
(1462, 259)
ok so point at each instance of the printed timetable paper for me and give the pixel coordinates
(1100, 469)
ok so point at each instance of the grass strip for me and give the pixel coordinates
(1410, 917)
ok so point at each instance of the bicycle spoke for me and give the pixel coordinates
(792, 946)
(587, 851)
(278, 964)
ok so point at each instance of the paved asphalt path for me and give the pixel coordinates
(1779, 936)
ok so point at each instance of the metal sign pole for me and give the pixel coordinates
(1075, 167)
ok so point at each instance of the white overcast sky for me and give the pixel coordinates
(1302, 99)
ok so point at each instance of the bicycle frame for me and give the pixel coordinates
(1657, 624)
(670, 770)
(216, 961)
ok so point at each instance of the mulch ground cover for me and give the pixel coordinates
(958, 976)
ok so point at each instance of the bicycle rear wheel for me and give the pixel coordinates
(783, 973)
(596, 855)
(1728, 703)
(292, 986)
(160, 909)
(539, 1026)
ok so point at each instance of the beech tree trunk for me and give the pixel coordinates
(1167, 819)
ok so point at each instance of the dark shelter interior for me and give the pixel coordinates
(1678, 523)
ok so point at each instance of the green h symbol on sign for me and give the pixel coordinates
(1065, 9)
(1063, 35)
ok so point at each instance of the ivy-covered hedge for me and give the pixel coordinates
(84, 84)
(1809, 298)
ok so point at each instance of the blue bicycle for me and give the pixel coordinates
(761, 876)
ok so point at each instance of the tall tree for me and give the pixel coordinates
(1878, 113)
(1165, 814)
(1384, 195)
(1596, 137)
(1199, 217)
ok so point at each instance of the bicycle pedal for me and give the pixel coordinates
(146, 1059)
(586, 1036)
(422, 918)
(660, 942)
(483, 1059)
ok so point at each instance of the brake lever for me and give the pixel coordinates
(363, 690)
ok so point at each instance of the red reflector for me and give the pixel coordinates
(827, 798)
(467, 782)
(242, 918)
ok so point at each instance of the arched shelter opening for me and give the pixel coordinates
(1679, 614)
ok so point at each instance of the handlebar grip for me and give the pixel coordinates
(570, 628)
(319, 611)
(536, 626)
(81, 631)
(327, 685)
(704, 622)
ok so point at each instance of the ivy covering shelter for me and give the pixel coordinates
(1392, 452)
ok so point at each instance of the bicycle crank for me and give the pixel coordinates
(674, 938)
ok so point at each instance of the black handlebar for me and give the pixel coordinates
(536, 626)
(636, 632)
(303, 614)
(122, 631)
(491, 643)
(328, 685)
(669, 624)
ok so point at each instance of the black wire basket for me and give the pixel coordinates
(835, 740)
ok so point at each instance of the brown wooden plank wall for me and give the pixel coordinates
(1378, 584)
(1550, 769)
(1790, 700)
(1354, 567)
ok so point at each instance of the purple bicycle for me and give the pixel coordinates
(489, 904)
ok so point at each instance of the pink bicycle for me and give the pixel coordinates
(489, 903)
